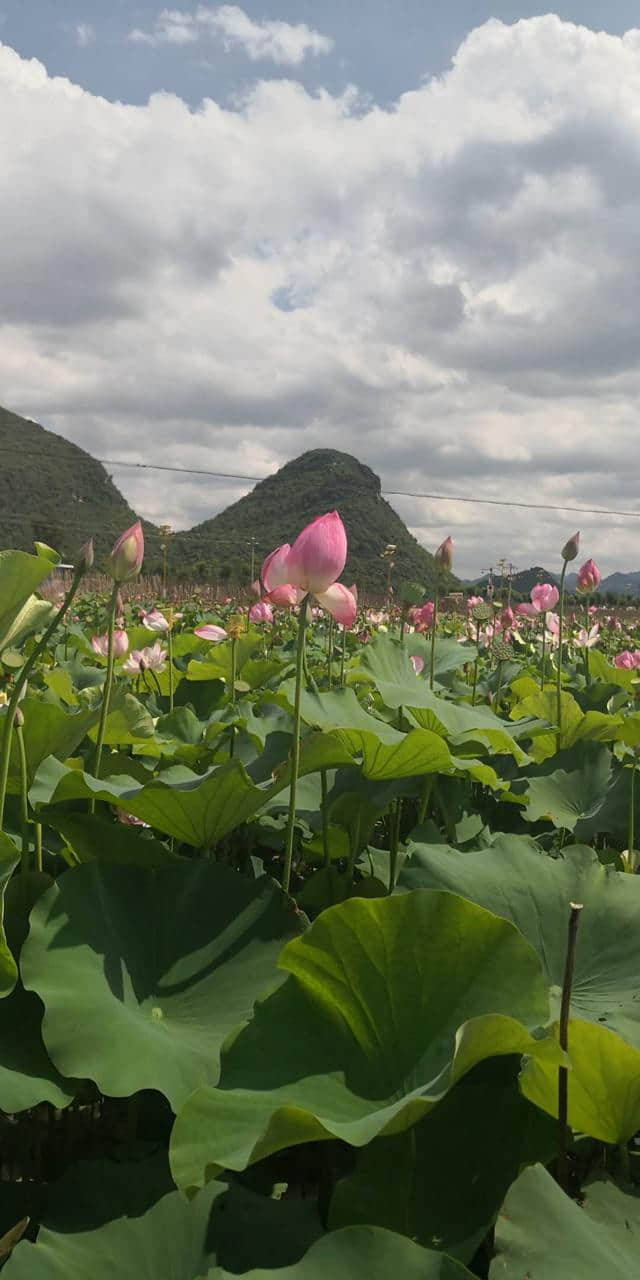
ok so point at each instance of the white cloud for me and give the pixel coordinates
(84, 34)
(448, 288)
(285, 43)
(281, 42)
(171, 26)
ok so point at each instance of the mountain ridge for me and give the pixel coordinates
(53, 491)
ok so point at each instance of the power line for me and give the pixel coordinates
(392, 493)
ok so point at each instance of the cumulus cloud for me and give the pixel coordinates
(285, 43)
(448, 287)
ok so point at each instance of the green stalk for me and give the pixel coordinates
(475, 666)
(325, 817)
(37, 826)
(434, 628)
(21, 679)
(234, 667)
(170, 639)
(587, 673)
(394, 842)
(108, 684)
(632, 815)
(427, 788)
(544, 642)
(330, 651)
(559, 671)
(354, 846)
(496, 704)
(295, 746)
(24, 798)
(343, 657)
(562, 1173)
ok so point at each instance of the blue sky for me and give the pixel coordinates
(383, 46)
(407, 230)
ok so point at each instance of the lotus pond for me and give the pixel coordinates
(306, 931)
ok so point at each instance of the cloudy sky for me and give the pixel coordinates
(403, 229)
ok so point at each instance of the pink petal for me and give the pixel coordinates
(211, 632)
(274, 569)
(339, 602)
(318, 554)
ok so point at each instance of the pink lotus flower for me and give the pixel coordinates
(154, 620)
(423, 617)
(627, 661)
(444, 555)
(310, 567)
(474, 600)
(209, 631)
(318, 554)
(589, 577)
(543, 598)
(127, 554)
(417, 663)
(375, 617)
(587, 639)
(507, 618)
(100, 644)
(152, 658)
(261, 612)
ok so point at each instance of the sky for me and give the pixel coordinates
(232, 233)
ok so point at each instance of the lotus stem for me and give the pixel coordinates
(325, 817)
(329, 651)
(24, 798)
(108, 685)
(631, 836)
(295, 746)
(434, 628)
(170, 643)
(562, 1173)
(394, 842)
(343, 657)
(559, 671)
(475, 666)
(37, 827)
(20, 682)
(544, 654)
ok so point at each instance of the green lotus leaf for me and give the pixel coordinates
(48, 730)
(155, 966)
(603, 1086)
(178, 1239)
(20, 575)
(198, 810)
(566, 797)
(388, 1003)
(542, 1233)
(516, 881)
(443, 1182)
(91, 837)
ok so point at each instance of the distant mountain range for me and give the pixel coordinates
(52, 491)
(618, 584)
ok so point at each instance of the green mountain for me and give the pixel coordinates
(279, 507)
(52, 491)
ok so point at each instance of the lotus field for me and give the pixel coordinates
(319, 929)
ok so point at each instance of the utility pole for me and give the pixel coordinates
(166, 531)
(489, 587)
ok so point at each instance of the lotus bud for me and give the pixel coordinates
(444, 555)
(318, 554)
(125, 561)
(571, 548)
(120, 643)
(589, 577)
(86, 557)
(18, 718)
